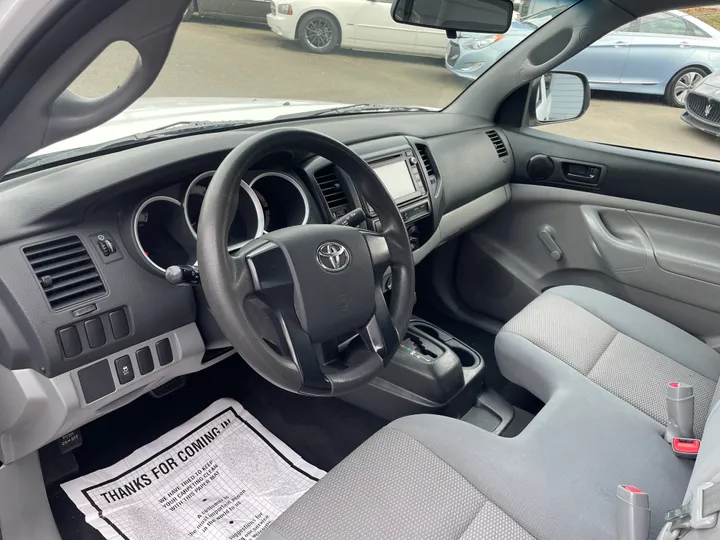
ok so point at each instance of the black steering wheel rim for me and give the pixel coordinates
(243, 289)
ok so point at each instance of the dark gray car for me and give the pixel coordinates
(702, 105)
(252, 11)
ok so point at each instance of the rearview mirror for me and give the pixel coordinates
(484, 16)
(558, 96)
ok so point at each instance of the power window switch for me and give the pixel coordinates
(124, 369)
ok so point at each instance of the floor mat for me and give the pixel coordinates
(220, 475)
(322, 431)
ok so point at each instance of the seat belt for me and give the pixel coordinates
(700, 513)
(680, 400)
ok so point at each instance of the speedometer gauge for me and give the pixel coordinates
(249, 221)
(283, 200)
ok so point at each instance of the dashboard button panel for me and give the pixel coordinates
(70, 341)
(164, 352)
(95, 332)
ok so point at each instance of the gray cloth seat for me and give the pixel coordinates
(437, 478)
(625, 350)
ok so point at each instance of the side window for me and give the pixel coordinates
(663, 23)
(656, 92)
(696, 30)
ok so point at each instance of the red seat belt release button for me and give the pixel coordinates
(686, 448)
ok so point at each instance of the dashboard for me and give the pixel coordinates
(87, 320)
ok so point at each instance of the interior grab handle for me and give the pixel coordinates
(621, 254)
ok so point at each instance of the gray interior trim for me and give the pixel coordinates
(530, 193)
(24, 509)
(463, 219)
(37, 410)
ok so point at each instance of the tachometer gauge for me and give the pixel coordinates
(265, 208)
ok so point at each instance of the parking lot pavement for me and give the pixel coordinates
(220, 60)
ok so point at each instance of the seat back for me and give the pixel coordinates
(707, 467)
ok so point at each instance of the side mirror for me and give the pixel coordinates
(482, 16)
(558, 96)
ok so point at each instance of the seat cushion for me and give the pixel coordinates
(625, 350)
(437, 478)
(394, 487)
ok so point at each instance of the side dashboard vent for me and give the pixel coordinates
(65, 271)
(332, 191)
(498, 143)
(427, 162)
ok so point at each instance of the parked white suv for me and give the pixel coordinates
(320, 27)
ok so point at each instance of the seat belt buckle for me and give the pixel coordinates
(686, 448)
(700, 513)
(680, 401)
(633, 513)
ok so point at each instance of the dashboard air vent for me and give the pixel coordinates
(498, 143)
(332, 190)
(427, 162)
(65, 271)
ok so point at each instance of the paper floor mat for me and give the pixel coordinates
(219, 476)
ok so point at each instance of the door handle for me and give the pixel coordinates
(581, 173)
(619, 44)
(621, 254)
(684, 44)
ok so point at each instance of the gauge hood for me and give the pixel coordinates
(152, 113)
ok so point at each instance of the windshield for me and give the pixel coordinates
(255, 61)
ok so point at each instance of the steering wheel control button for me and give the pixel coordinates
(95, 332)
(144, 361)
(164, 352)
(119, 323)
(124, 369)
(106, 246)
(96, 381)
(70, 341)
(333, 257)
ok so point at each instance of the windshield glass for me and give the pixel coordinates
(255, 61)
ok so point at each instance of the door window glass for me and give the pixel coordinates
(655, 89)
(663, 23)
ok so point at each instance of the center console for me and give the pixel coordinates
(432, 372)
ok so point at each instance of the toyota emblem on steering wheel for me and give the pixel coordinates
(333, 257)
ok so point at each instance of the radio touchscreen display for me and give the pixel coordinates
(397, 179)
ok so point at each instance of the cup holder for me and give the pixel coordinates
(427, 329)
(468, 359)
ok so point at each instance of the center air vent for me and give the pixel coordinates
(427, 162)
(332, 190)
(498, 143)
(65, 271)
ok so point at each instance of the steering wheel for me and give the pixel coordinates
(285, 300)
